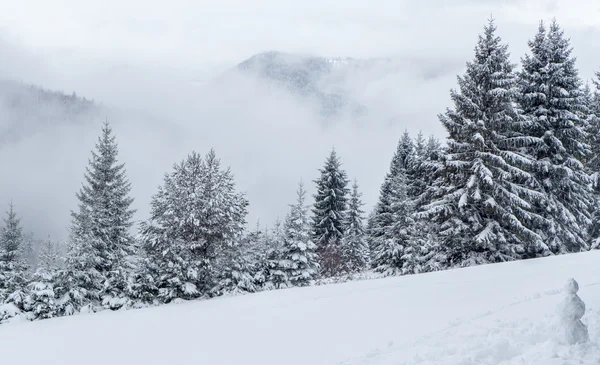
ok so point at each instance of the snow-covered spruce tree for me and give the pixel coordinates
(12, 267)
(422, 167)
(79, 283)
(237, 270)
(553, 101)
(297, 261)
(483, 203)
(329, 214)
(404, 153)
(258, 243)
(420, 145)
(40, 302)
(27, 251)
(195, 216)
(382, 219)
(355, 249)
(424, 253)
(591, 100)
(50, 255)
(592, 163)
(243, 267)
(275, 278)
(417, 175)
(389, 255)
(100, 241)
(274, 239)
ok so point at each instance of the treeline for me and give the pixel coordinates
(517, 178)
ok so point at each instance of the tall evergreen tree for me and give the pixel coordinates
(297, 262)
(592, 163)
(100, 241)
(553, 101)
(50, 255)
(383, 219)
(196, 217)
(484, 196)
(40, 302)
(27, 250)
(355, 249)
(237, 269)
(404, 153)
(391, 253)
(12, 267)
(429, 167)
(420, 146)
(249, 269)
(329, 214)
(79, 283)
(425, 253)
(419, 170)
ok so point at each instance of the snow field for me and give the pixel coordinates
(492, 314)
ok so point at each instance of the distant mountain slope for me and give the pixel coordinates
(25, 109)
(318, 78)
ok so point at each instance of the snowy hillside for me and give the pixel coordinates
(27, 109)
(494, 314)
(321, 79)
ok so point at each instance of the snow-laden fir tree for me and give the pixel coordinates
(50, 255)
(553, 101)
(27, 251)
(389, 256)
(329, 214)
(424, 253)
(273, 241)
(195, 217)
(237, 270)
(100, 241)
(80, 282)
(258, 246)
(296, 263)
(591, 100)
(421, 168)
(426, 169)
(40, 302)
(243, 267)
(12, 267)
(593, 104)
(382, 219)
(592, 163)
(404, 153)
(483, 203)
(420, 145)
(275, 238)
(355, 249)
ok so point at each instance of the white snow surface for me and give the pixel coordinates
(493, 314)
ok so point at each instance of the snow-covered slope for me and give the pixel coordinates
(495, 314)
(26, 110)
(319, 79)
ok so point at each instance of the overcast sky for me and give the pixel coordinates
(153, 57)
(196, 34)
